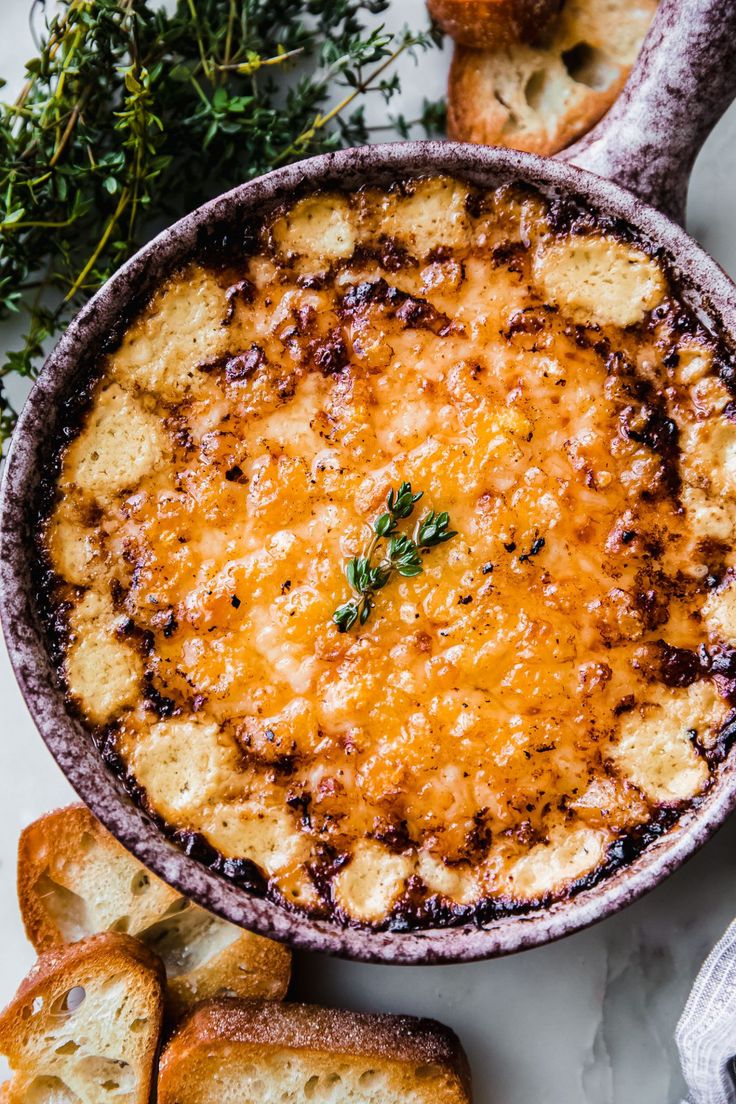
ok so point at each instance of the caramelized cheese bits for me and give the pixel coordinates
(554, 688)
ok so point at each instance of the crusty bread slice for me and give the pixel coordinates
(231, 1052)
(494, 23)
(542, 98)
(74, 879)
(84, 1026)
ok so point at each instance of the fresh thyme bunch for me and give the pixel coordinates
(402, 554)
(130, 116)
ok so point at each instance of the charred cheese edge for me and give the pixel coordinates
(558, 683)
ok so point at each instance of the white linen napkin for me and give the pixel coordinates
(706, 1033)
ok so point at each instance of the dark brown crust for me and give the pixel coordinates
(413, 312)
(494, 22)
(322, 1030)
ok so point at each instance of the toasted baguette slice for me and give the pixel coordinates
(540, 99)
(74, 879)
(84, 1026)
(494, 23)
(230, 1052)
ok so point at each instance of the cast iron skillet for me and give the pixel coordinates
(642, 154)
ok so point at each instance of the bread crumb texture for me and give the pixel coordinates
(541, 97)
(239, 1075)
(121, 442)
(75, 880)
(562, 672)
(84, 1026)
(316, 229)
(104, 671)
(181, 327)
(656, 752)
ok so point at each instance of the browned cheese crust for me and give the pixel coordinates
(381, 1056)
(554, 688)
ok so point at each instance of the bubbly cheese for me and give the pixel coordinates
(560, 671)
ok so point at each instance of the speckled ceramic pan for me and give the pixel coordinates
(638, 162)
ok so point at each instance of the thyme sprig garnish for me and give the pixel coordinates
(134, 113)
(401, 553)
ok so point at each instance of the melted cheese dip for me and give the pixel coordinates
(548, 695)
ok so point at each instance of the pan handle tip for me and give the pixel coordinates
(682, 83)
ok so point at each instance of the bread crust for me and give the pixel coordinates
(471, 84)
(72, 966)
(48, 843)
(493, 23)
(500, 96)
(260, 1027)
(66, 959)
(250, 966)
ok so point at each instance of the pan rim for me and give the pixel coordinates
(705, 284)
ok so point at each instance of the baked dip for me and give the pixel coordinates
(546, 692)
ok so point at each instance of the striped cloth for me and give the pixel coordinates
(706, 1033)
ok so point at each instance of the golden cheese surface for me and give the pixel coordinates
(554, 687)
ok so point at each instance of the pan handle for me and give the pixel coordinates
(683, 81)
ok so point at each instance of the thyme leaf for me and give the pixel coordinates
(131, 115)
(401, 554)
(435, 530)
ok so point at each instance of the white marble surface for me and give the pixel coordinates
(585, 1021)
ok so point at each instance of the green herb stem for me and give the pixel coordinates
(132, 115)
(402, 554)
